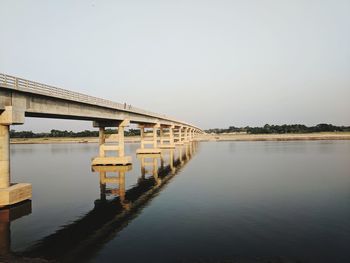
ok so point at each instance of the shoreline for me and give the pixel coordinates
(279, 137)
(207, 137)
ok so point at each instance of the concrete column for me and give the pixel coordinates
(150, 140)
(117, 146)
(155, 129)
(167, 138)
(186, 139)
(178, 137)
(4, 156)
(102, 140)
(171, 135)
(161, 135)
(101, 135)
(121, 141)
(15, 193)
(142, 137)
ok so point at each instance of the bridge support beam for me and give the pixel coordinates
(167, 137)
(10, 193)
(119, 149)
(149, 139)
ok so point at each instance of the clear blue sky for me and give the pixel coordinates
(213, 63)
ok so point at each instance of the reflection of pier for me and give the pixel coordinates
(8, 215)
(149, 166)
(81, 239)
(119, 180)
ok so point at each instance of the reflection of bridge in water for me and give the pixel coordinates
(115, 209)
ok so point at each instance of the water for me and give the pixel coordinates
(225, 202)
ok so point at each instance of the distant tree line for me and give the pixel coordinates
(59, 133)
(293, 128)
(266, 129)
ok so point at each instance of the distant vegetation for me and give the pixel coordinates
(58, 133)
(294, 128)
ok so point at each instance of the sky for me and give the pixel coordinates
(213, 63)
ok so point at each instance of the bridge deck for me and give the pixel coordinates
(24, 86)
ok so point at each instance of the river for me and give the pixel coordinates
(219, 202)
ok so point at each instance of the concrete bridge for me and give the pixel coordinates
(20, 98)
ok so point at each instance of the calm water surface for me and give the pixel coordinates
(221, 202)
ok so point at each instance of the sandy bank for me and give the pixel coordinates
(277, 137)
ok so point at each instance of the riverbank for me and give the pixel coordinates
(207, 137)
(277, 137)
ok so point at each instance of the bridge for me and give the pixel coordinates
(20, 98)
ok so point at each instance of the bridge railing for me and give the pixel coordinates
(24, 85)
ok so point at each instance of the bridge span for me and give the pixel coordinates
(20, 98)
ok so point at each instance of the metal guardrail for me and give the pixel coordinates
(11, 82)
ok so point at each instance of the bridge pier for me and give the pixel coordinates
(190, 135)
(167, 137)
(149, 139)
(178, 137)
(10, 193)
(119, 148)
(185, 135)
(4, 156)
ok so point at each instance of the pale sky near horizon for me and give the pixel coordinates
(212, 63)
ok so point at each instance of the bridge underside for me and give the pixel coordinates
(33, 105)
